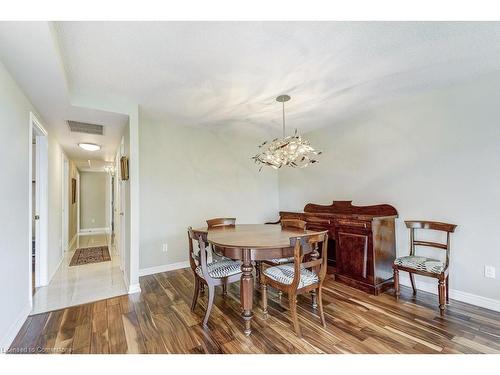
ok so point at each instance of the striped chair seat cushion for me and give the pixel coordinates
(420, 263)
(281, 260)
(284, 274)
(221, 268)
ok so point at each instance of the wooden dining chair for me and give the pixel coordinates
(220, 222)
(300, 276)
(424, 266)
(295, 224)
(221, 272)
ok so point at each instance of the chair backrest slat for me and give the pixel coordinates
(293, 224)
(312, 263)
(430, 244)
(221, 222)
(434, 225)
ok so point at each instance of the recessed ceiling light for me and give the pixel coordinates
(89, 146)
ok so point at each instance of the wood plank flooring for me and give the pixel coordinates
(158, 320)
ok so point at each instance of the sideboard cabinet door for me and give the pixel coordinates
(353, 250)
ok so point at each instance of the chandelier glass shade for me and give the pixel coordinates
(289, 151)
(109, 169)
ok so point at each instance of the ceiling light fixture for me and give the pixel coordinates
(291, 151)
(89, 146)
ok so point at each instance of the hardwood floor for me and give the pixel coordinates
(158, 320)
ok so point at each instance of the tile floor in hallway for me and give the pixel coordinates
(75, 285)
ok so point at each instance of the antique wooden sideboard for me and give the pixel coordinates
(361, 245)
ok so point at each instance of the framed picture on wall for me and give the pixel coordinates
(73, 190)
(124, 168)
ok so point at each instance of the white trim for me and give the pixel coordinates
(109, 209)
(77, 201)
(131, 289)
(11, 333)
(30, 217)
(163, 268)
(134, 288)
(65, 204)
(93, 230)
(34, 120)
(41, 186)
(72, 241)
(473, 299)
(134, 208)
(55, 270)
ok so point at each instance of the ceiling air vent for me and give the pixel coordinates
(82, 127)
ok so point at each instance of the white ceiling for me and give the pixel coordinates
(30, 52)
(218, 74)
(227, 74)
(91, 165)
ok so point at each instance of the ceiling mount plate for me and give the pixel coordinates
(283, 98)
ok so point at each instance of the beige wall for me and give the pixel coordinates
(73, 207)
(92, 200)
(433, 156)
(188, 175)
(14, 203)
(15, 239)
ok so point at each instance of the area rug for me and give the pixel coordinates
(88, 255)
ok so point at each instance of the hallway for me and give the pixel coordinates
(76, 285)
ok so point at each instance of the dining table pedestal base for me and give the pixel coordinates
(246, 294)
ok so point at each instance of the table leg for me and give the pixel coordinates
(246, 293)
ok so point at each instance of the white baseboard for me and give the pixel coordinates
(131, 288)
(55, 270)
(134, 288)
(73, 240)
(458, 295)
(93, 230)
(163, 268)
(11, 334)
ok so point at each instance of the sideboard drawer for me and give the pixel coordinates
(318, 221)
(361, 224)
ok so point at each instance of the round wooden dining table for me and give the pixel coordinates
(248, 243)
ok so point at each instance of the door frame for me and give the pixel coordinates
(41, 203)
(119, 208)
(65, 204)
(77, 204)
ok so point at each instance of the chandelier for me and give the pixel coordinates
(290, 151)
(110, 169)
